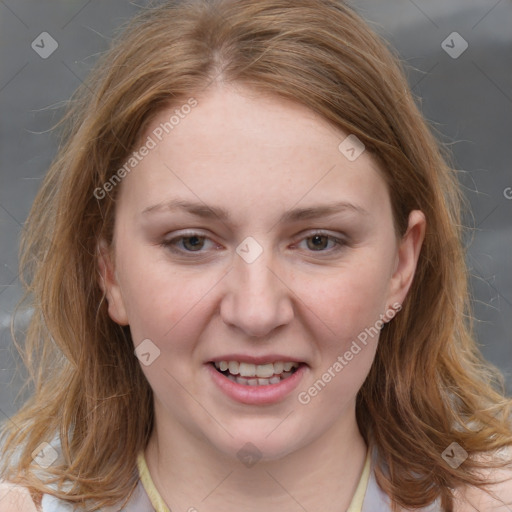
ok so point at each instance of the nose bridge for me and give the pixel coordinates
(258, 300)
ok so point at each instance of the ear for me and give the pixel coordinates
(108, 283)
(407, 257)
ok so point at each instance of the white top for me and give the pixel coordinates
(375, 500)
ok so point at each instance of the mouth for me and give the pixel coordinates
(256, 384)
(248, 374)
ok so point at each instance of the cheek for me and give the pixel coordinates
(345, 309)
(161, 302)
(349, 300)
(351, 306)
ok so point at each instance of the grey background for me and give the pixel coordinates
(468, 99)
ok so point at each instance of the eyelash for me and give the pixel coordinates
(171, 244)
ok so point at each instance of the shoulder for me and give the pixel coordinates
(15, 498)
(497, 497)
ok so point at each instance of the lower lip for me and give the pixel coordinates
(257, 395)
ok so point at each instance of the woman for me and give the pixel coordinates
(248, 283)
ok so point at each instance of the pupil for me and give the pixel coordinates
(196, 241)
(317, 238)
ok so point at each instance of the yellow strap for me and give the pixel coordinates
(159, 505)
(154, 496)
(356, 504)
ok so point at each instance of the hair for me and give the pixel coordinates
(429, 385)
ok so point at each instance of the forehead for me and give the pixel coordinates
(239, 148)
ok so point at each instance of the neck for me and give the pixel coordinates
(192, 475)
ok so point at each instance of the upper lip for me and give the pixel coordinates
(264, 359)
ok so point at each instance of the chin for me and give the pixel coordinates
(258, 443)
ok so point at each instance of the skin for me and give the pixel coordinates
(258, 157)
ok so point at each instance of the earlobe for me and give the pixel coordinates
(407, 257)
(108, 283)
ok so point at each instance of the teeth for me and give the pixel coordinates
(278, 367)
(258, 382)
(233, 367)
(247, 370)
(264, 372)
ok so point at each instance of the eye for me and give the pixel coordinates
(192, 242)
(318, 242)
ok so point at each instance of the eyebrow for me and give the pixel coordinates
(216, 212)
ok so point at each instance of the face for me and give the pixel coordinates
(247, 236)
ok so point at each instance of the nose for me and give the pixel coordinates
(258, 299)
